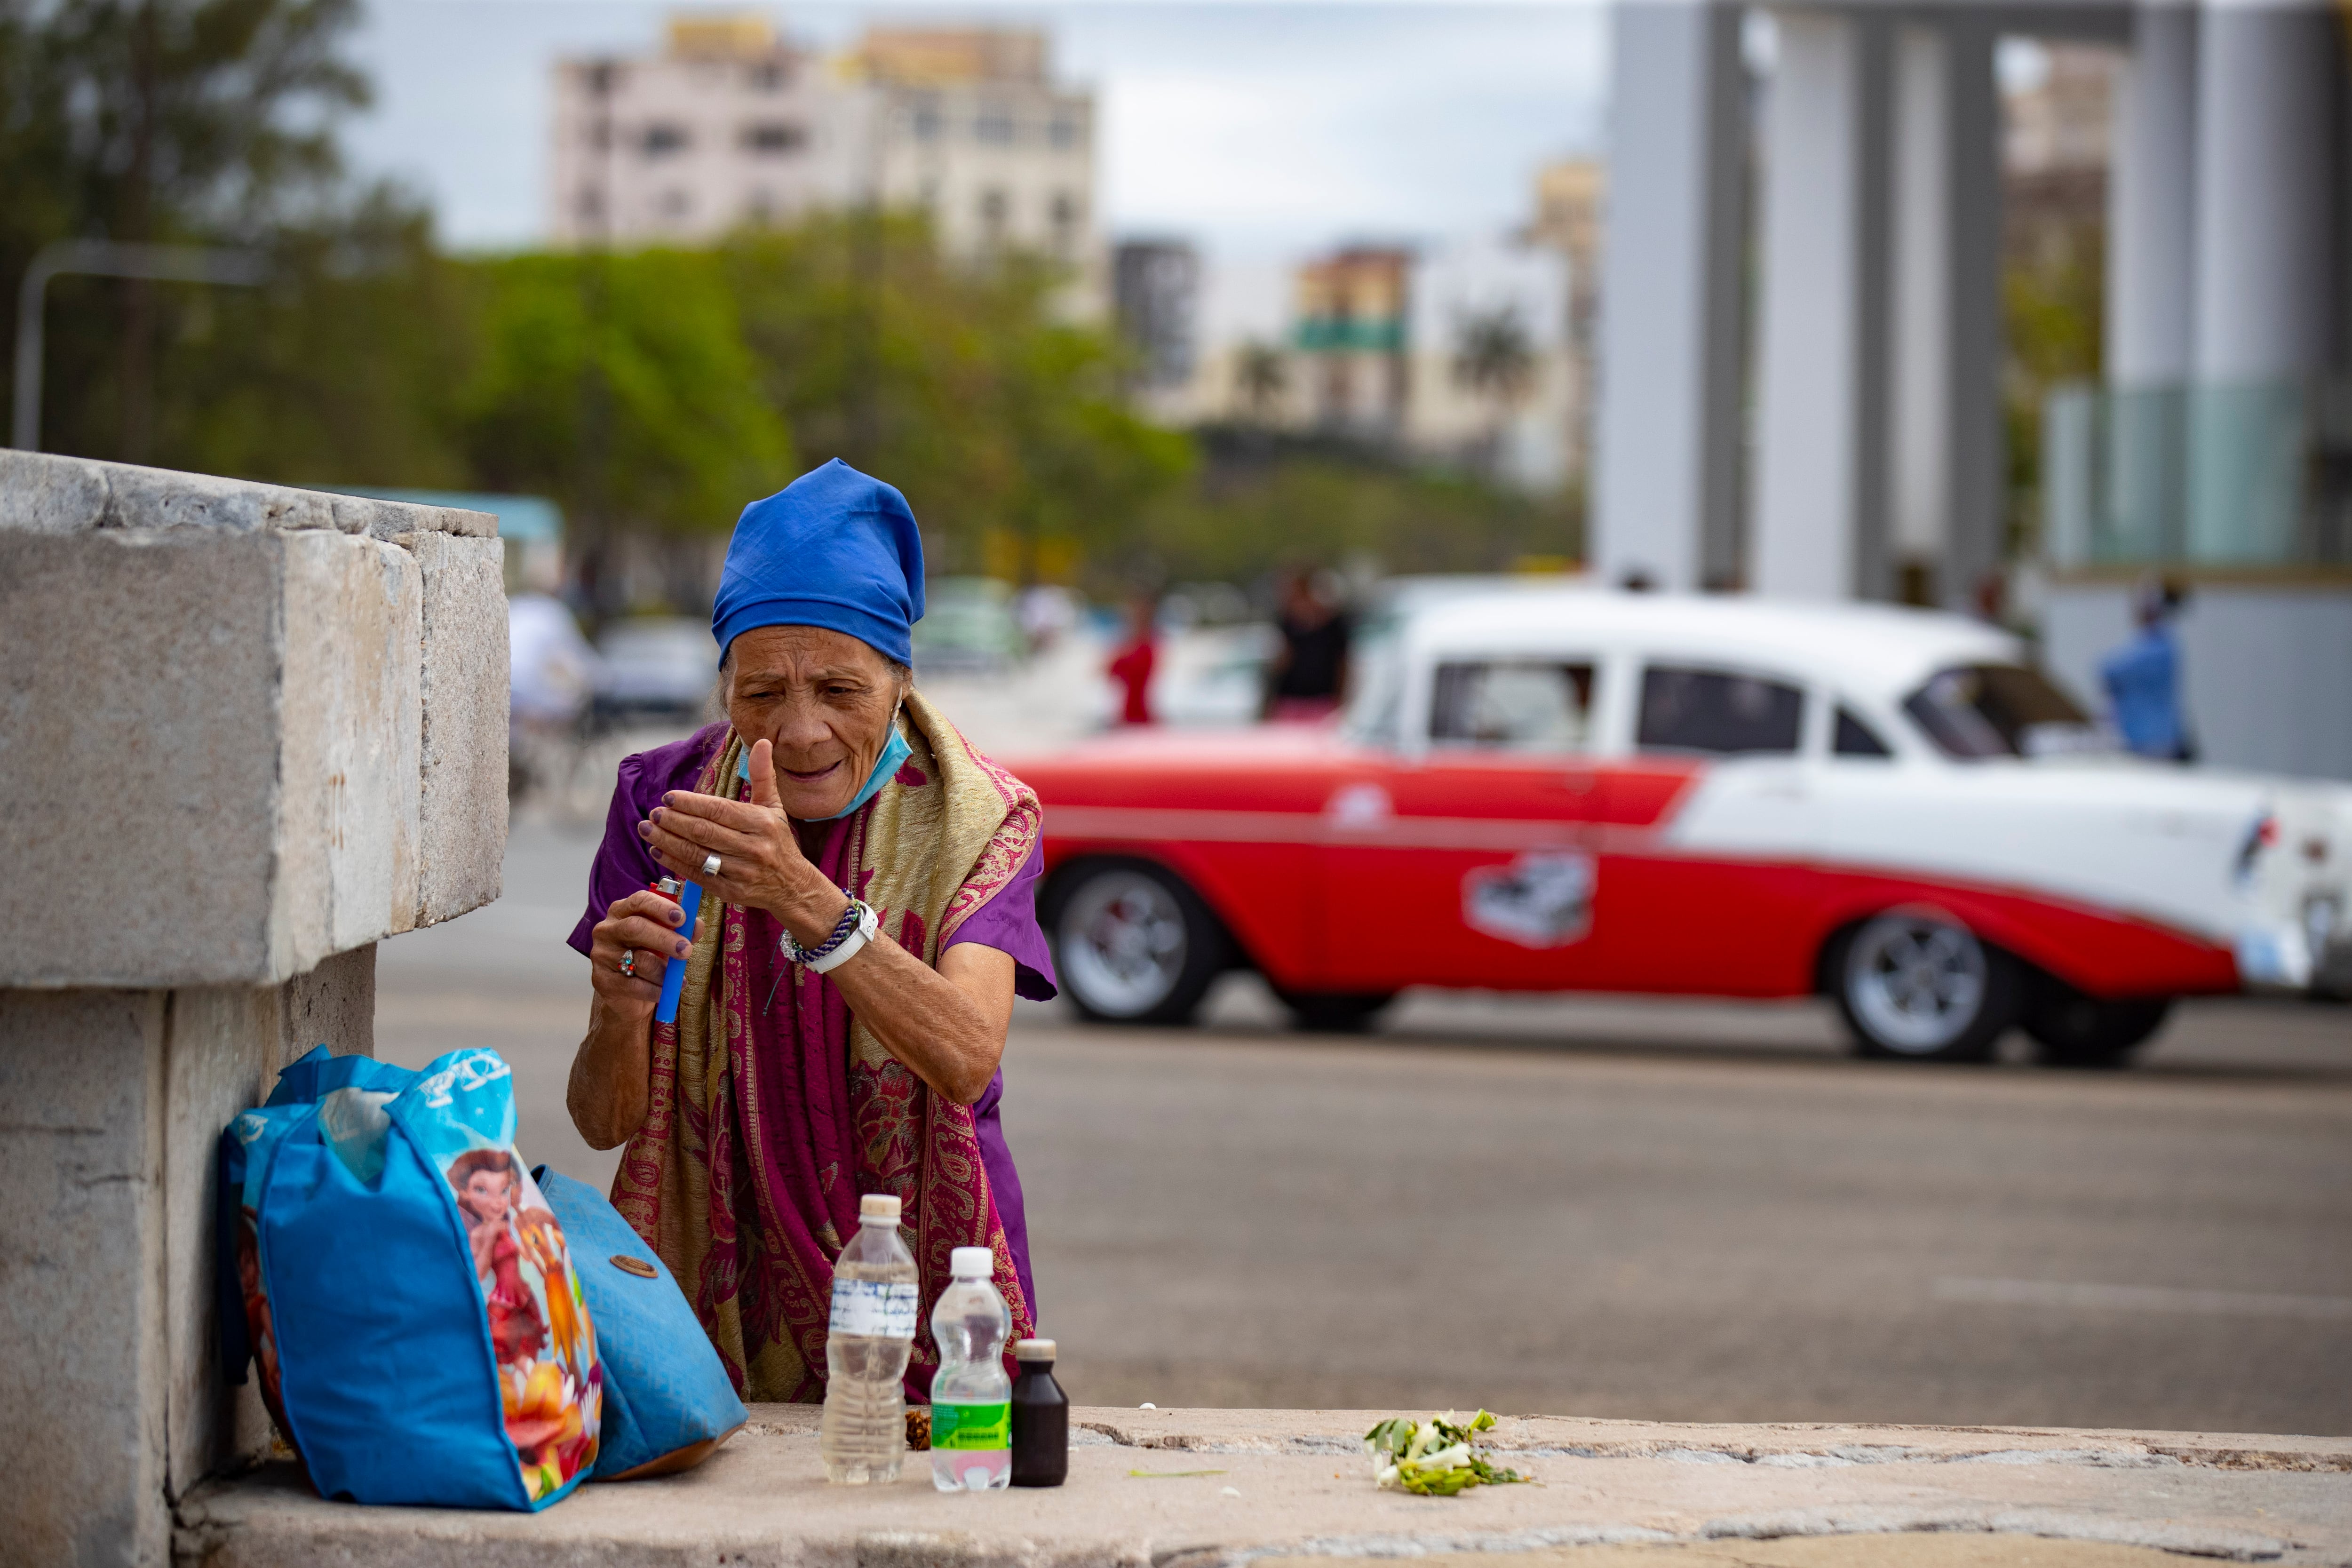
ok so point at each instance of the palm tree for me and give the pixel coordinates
(1494, 359)
(1263, 374)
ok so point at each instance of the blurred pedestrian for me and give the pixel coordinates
(1309, 672)
(1132, 664)
(2143, 678)
(551, 669)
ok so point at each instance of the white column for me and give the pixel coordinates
(1943, 483)
(1820, 466)
(2264, 128)
(1665, 490)
(1919, 482)
(2151, 306)
(2151, 202)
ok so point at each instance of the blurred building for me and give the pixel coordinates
(729, 125)
(1870, 341)
(1156, 297)
(2056, 147)
(1486, 336)
(1349, 342)
(733, 124)
(976, 133)
(1571, 195)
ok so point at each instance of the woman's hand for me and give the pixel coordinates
(646, 923)
(760, 861)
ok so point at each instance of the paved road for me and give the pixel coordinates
(1611, 1208)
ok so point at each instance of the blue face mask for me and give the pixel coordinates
(895, 753)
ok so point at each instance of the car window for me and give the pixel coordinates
(1856, 739)
(1717, 710)
(1999, 710)
(1515, 705)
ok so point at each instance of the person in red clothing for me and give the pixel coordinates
(1131, 665)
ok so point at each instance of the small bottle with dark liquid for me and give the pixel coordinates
(1041, 1418)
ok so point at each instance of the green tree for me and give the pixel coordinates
(620, 385)
(961, 385)
(144, 121)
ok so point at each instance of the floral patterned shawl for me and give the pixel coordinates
(773, 1109)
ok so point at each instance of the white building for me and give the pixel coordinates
(732, 124)
(977, 134)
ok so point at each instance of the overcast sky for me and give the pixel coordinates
(1258, 130)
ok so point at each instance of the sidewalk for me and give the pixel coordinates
(1208, 1489)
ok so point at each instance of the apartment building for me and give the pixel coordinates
(733, 124)
(729, 125)
(975, 132)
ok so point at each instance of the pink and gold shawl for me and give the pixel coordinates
(773, 1109)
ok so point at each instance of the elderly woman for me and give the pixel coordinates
(869, 912)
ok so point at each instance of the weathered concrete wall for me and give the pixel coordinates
(251, 727)
(244, 733)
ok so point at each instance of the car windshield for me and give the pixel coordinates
(1999, 711)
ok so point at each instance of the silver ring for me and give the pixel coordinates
(710, 865)
(629, 963)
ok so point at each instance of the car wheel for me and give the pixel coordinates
(1923, 988)
(1134, 944)
(2072, 1030)
(1334, 1012)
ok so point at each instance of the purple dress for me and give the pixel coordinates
(1007, 922)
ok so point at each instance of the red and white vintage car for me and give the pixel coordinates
(1572, 789)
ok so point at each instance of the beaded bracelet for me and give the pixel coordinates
(857, 919)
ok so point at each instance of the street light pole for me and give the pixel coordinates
(106, 258)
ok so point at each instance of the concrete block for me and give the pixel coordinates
(463, 842)
(350, 715)
(42, 495)
(222, 1051)
(81, 1260)
(165, 497)
(139, 754)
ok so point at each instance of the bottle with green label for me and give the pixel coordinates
(971, 1399)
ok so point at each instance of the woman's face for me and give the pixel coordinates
(487, 1192)
(824, 700)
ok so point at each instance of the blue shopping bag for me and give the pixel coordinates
(406, 1292)
(668, 1403)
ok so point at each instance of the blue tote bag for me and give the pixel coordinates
(407, 1293)
(668, 1403)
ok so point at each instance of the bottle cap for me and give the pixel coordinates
(877, 1205)
(1032, 1349)
(971, 1263)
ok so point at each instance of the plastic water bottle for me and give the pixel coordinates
(971, 1399)
(864, 1435)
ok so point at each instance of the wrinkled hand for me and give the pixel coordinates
(648, 923)
(759, 862)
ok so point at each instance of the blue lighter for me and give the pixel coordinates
(688, 896)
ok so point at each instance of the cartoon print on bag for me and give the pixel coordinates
(260, 1330)
(551, 1383)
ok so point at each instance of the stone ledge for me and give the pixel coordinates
(43, 493)
(1294, 1484)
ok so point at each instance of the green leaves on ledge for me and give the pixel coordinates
(1435, 1459)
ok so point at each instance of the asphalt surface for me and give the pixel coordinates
(1620, 1208)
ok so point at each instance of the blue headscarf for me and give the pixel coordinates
(833, 549)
